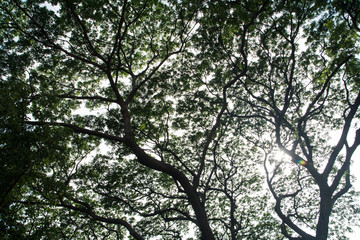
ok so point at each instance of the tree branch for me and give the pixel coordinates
(87, 209)
(343, 138)
(77, 129)
(104, 99)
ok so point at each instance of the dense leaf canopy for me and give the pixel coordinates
(127, 119)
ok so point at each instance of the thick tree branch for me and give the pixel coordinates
(345, 169)
(343, 138)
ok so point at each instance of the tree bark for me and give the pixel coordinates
(324, 216)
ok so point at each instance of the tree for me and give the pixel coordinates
(192, 99)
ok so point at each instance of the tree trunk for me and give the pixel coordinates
(324, 217)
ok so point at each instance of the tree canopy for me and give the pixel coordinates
(127, 119)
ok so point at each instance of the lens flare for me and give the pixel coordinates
(301, 162)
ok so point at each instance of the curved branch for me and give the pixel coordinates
(348, 119)
(78, 129)
(309, 110)
(87, 209)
